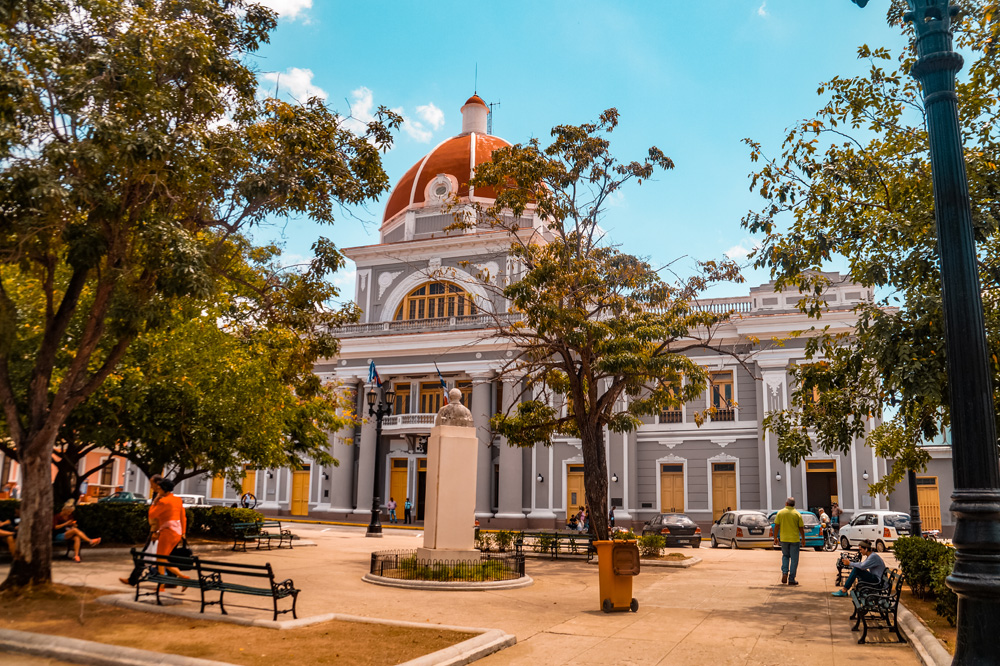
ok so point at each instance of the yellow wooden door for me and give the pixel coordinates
(398, 478)
(575, 495)
(300, 492)
(723, 488)
(672, 489)
(250, 482)
(929, 501)
(218, 486)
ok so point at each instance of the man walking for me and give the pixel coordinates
(407, 511)
(391, 508)
(790, 532)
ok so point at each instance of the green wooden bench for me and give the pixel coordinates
(876, 604)
(217, 576)
(556, 544)
(261, 532)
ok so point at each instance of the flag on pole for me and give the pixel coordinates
(373, 375)
(444, 384)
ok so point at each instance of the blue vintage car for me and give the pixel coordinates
(814, 531)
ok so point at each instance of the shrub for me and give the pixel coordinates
(651, 545)
(544, 543)
(917, 558)
(620, 534)
(217, 521)
(114, 522)
(483, 540)
(945, 600)
(504, 539)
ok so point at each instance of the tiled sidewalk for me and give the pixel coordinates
(730, 609)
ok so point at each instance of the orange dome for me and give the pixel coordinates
(457, 157)
(476, 99)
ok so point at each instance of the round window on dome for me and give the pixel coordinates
(441, 190)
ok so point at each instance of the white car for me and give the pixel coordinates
(742, 529)
(192, 500)
(882, 528)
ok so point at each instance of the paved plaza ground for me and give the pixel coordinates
(729, 609)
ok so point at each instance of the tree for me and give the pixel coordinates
(132, 146)
(601, 337)
(855, 182)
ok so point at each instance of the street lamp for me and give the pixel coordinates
(976, 468)
(385, 400)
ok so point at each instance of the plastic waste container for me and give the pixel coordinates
(617, 562)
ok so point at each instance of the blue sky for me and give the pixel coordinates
(693, 78)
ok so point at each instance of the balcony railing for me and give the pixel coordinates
(470, 322)
(422, 422)
(671, 416)
(724, 415)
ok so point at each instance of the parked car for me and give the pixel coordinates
(125, 496)
(882, 528)
(192, 500)
(676, 528)
(742, 529)
(814, 531)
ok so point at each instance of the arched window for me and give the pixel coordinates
(435, 300)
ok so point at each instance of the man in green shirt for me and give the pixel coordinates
(790, 532)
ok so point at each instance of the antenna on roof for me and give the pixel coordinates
(489, 117)
(475, 81)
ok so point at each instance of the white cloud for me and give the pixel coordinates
(762, 10)
(363, 111)
(288, 9)
(296, 82)
(740, 251)
(431, 115)
(344, 279)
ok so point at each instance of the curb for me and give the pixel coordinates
(453, 586)
(929, 650)
(466, 652)
(79, 651)
(685, 564)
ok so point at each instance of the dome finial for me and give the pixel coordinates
(474, 115)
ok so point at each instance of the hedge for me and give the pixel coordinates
(128, 522)
(926, 564)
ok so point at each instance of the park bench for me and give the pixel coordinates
(843, 571)
(876, 604)
(216, 576)
(555, 544)
(213, 576)
(66, 546)
(261, 532)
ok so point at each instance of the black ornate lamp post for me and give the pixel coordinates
(976, 501)
(385, 401)
(916, 524)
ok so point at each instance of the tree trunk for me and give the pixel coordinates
(595, 480)
(33, 563)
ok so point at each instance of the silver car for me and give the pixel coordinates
(742, 529)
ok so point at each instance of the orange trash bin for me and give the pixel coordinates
(617, 562)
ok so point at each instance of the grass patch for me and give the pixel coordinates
(924, 609)
(70, 611)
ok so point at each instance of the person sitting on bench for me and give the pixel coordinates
(8, 531)
(869, 570)
(64, 527)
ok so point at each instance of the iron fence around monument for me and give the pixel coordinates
(404, 565)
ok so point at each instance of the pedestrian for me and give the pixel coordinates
(611, 517)
(14, 492)
(824, 520)
(64, 528)
(790, 533)
(391, 506)
(835, 513)
(84, 486)
(869, 570)
(407, 512)
(167, 520)
(586, 520)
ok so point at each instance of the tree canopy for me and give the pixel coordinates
(133, 148)
(854, 182)
(601, 337)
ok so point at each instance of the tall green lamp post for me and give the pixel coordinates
(976, 500)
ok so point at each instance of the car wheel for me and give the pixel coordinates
(845, 543)
(880, 546)
(818, 549)
(733, 545)
(696, 544)
(715, 544)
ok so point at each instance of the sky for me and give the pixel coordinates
(692, 78)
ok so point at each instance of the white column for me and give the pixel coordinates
(366, 465)
(511, 465)
(342, 477)
(481, 408)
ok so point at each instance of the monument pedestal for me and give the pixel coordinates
(450, 502)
